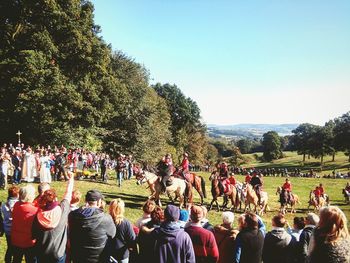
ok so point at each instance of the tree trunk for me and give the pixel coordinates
(304, 155)
(333, 157)
(321, 159)
(308, 156)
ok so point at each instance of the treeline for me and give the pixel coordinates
(60, 83)
(307, 139)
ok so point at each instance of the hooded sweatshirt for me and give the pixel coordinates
(89, 229)
(50, 230)
(6, 211)
(173, 244)
(278, 246)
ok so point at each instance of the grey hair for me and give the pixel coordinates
(228, 217)
(313, 218)
(27, 193)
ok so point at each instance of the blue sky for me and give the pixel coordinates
(241, 61)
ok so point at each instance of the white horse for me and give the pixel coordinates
(177, 188)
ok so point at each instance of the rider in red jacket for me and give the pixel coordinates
(185, 166)
(287, 186)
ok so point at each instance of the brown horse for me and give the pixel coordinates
(217, 191)
(284, 200)
(252, 198)
(197, 182)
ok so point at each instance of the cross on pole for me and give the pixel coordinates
(19, 136)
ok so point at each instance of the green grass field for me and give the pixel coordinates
(134, 195)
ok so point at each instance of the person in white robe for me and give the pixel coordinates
(29, 171)
(45, 166)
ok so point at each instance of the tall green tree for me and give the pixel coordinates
(188, 133)
(302, 138)
(272, 146)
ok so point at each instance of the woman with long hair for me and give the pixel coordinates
(330, 241)
(124, 239)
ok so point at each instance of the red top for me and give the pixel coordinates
(184, 165)
(21, 232)
(204, 244)
(287, 186)
(232, 180)
(248, 178)
(321, 189)
(317, 192)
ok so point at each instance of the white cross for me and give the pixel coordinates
(19, 136)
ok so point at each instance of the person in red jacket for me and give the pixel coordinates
(232, 179)
(321, 189)
(317, 193)
(287, 186)
(184, 166)
(204, 243)
(248, 178)
(23, 215)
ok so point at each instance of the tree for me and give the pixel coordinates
(272, 146)
(321, 143)
(342, 133)
(186, 126)
(302, 138)
(245, 145)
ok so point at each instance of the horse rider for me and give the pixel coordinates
(322, 192)
(232, 179)
(257, 183)
(165, 170)
(317, 194)
(223, 176)
(184, 168)
(248, 177)
(287, 186)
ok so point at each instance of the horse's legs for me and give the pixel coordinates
(211, 204)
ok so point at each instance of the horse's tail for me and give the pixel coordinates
(203, 187)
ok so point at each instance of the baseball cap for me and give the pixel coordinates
(93, 195)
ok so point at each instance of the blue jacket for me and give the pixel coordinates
(173, 244)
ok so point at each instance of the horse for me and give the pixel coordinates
(197, 182)
(313, 202)
(346, 195)
(177, 187)
(217, 191)
(252, 198)
(285, 202)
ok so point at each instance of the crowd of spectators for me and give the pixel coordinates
(45, 164)
(43, 228)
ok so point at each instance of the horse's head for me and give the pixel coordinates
(278, 190)
(213, 175)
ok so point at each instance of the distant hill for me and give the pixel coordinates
(238, 131)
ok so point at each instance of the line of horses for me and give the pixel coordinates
(242, 194)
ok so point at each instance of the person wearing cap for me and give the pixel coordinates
(165, 169)
(173, 244)
(50, 225)
(257, 183)
(287, 186)
(89, 230)
(204, 244)
(248, 178)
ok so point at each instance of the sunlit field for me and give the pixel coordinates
(135, 195)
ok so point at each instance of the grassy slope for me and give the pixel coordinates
(293, 160)
(134, 195)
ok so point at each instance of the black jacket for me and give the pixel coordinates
(249, 246)
(89, 229)
(303, 244)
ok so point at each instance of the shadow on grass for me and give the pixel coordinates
(131, 200)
